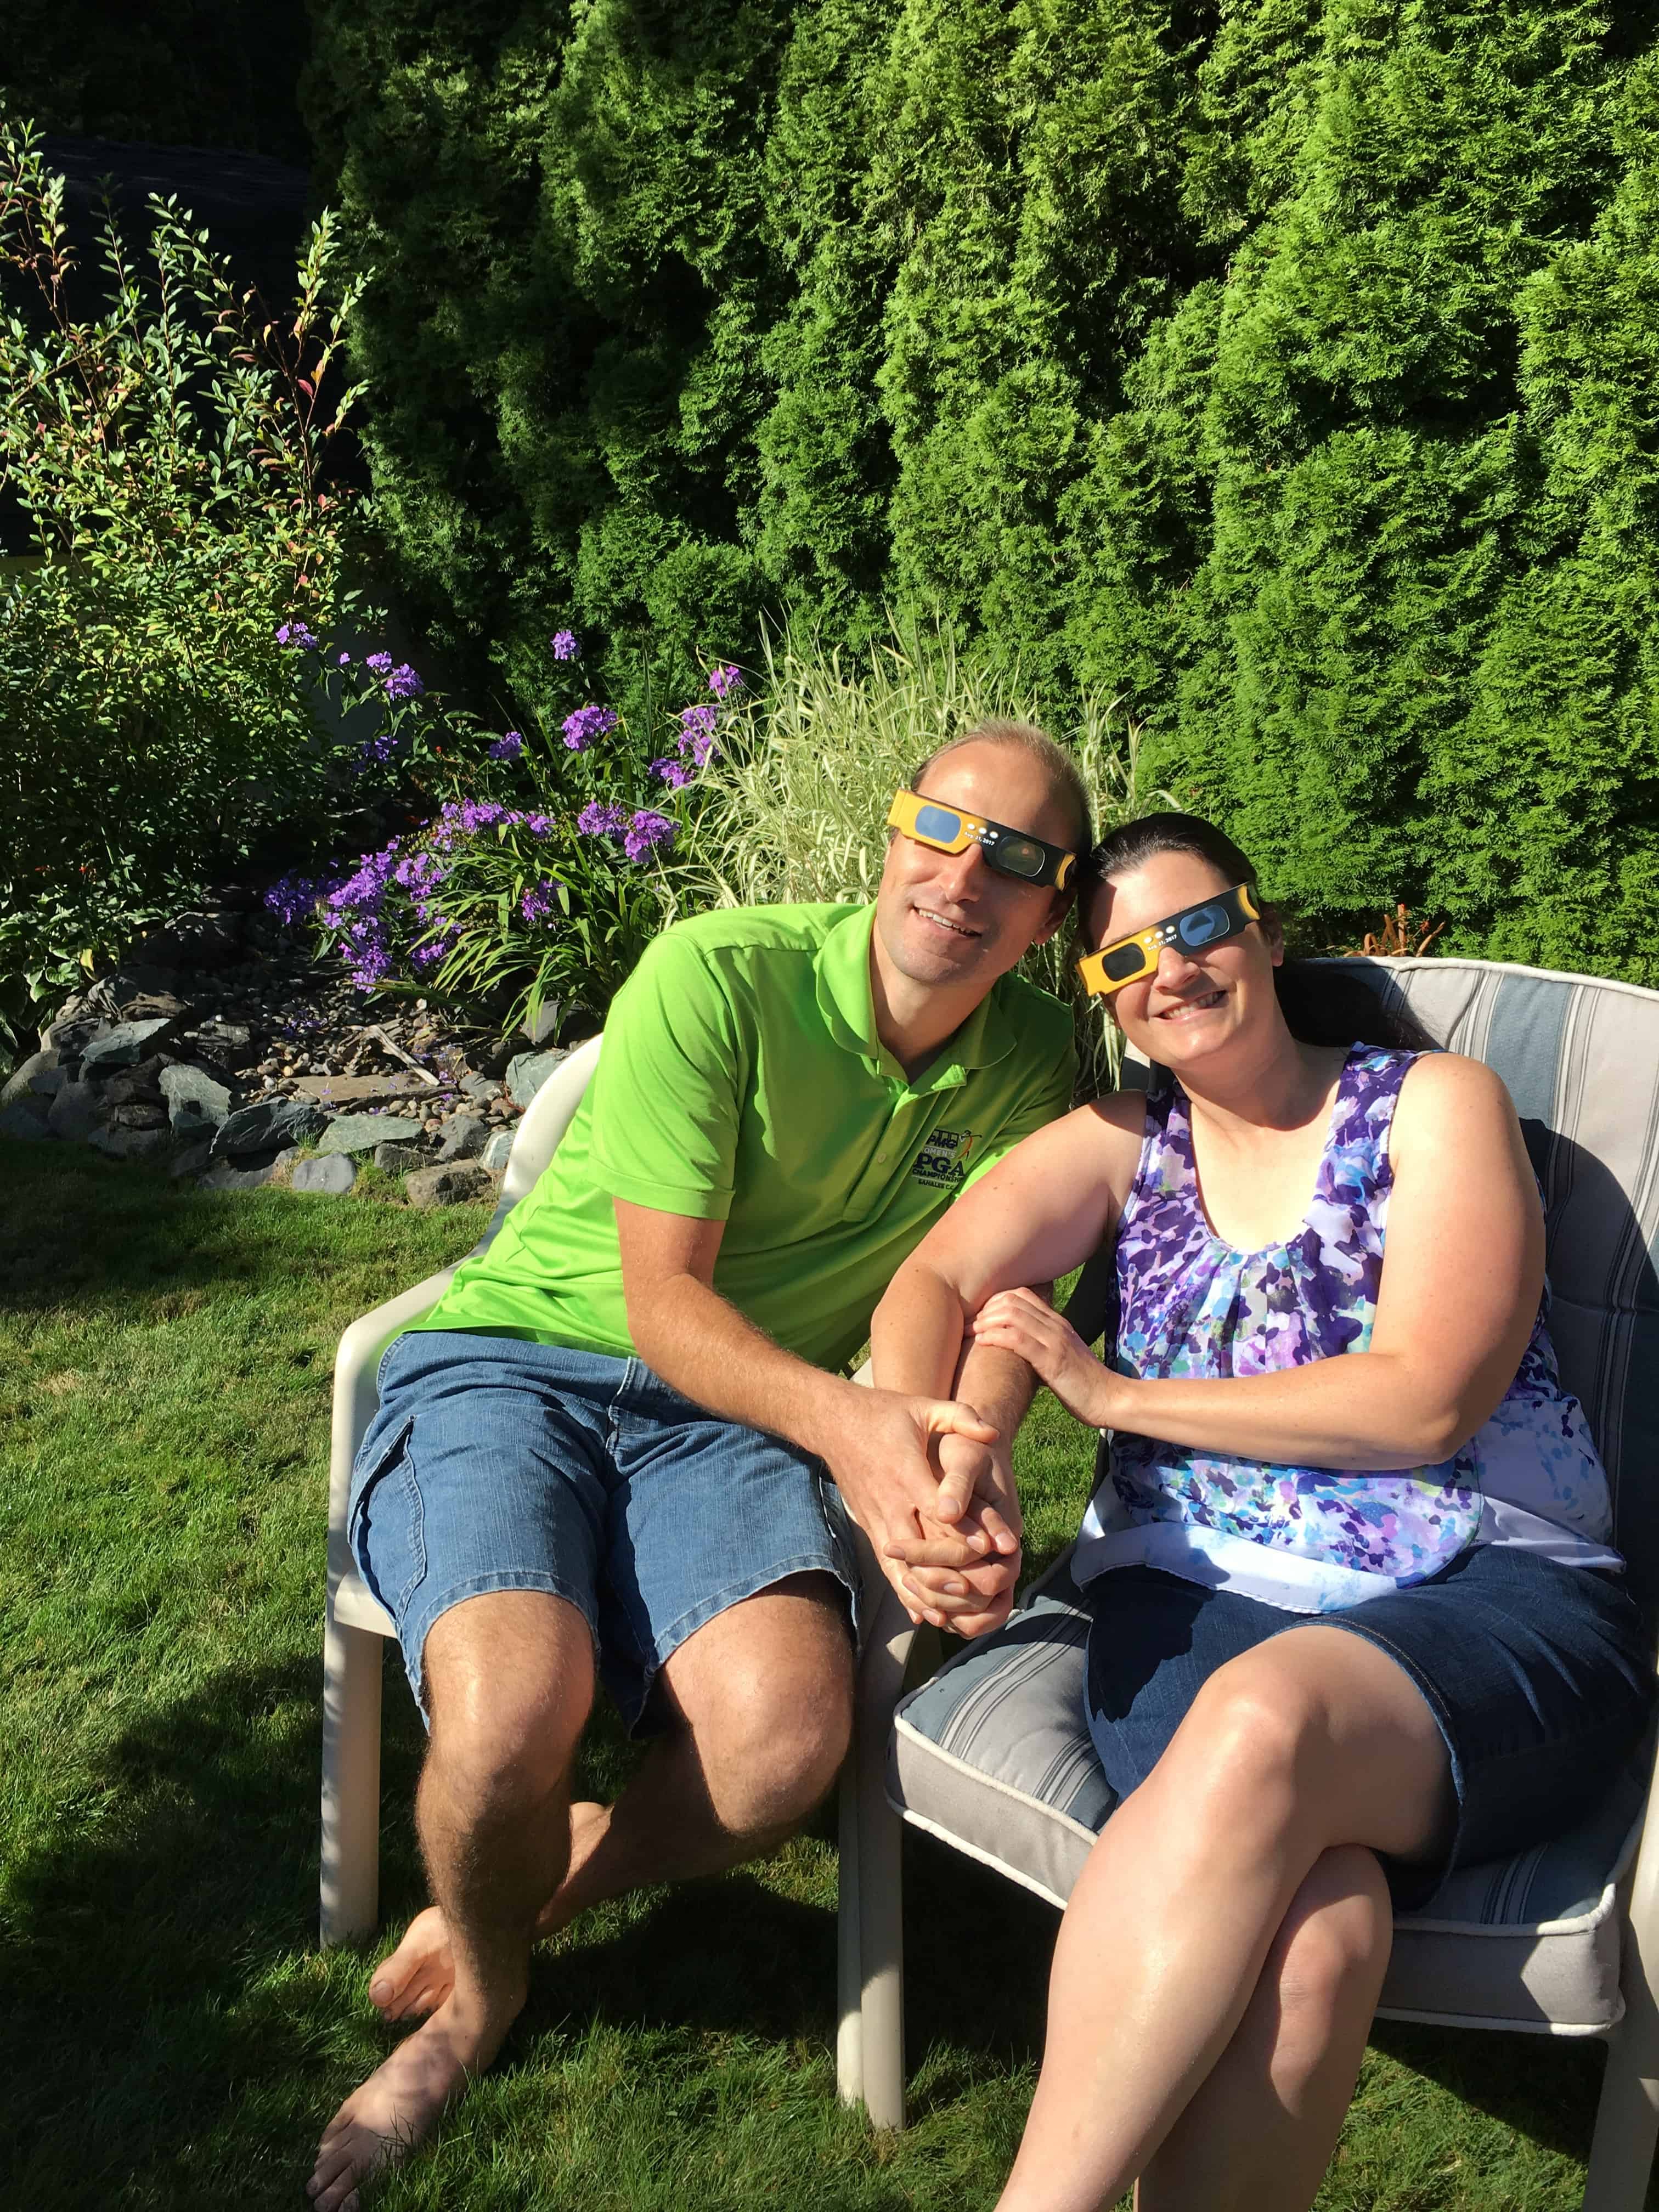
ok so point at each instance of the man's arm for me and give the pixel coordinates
(875, 1443)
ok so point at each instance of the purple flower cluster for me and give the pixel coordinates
(295, 634)
(354, 909)
(647, 830)
(377, 749)
(586, 724)
(464, 818)
(564, 645)
(724, 680)
(696, 736)
(400, 682)
(674, 772)
(536, 904)
(379, 664)
(641, 833)
(293, 899)
(508, 747)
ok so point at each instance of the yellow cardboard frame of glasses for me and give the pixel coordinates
(907, 805)
(1152, 942)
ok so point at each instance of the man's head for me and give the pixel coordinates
(950, 919)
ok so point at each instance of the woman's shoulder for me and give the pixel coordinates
(1446, 1097)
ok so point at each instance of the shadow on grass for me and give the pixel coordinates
(118, 1236)
(169, 2025)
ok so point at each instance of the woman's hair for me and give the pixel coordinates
(1326, 1002)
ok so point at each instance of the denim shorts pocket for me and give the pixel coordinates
(387, 1525)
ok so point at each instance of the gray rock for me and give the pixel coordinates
(464, 1138)
(142, 983)
(23, 1081)
(26, 1117)
(549, 1015)
(526, 1072)
(128, 1085)
(330, 1173)
(139, 1114)
(125, 1045)
(49, 1082)
(75, 1113)
(361, 1133)
(224, 1176)
(398, 1159)
(497, 1152)
(192, 1160)
(195, 1101)
(460, 1183)
(273, 1124)
(131, 1143)
(156, 1006)
(193, 941)
(481, 1087)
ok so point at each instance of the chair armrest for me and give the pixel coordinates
(355, 1398)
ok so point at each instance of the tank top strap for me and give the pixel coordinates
(1166, 1163)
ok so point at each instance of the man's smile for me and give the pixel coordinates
(956, 928)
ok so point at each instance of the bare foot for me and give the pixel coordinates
(421, 1972)
(399, 2104)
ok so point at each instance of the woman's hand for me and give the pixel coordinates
(1022, 1322)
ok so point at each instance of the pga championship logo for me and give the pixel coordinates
(942, 1162)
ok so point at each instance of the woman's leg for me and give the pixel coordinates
(1313, 1740)
(1258, 2134)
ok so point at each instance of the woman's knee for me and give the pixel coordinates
(1332, 1949)
(1244, 1745)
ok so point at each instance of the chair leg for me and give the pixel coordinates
(850, 1947)
(1627, 2117)
(350, 1886)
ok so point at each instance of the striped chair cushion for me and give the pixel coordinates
(993, 1755)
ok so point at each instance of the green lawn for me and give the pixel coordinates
(169, 2036)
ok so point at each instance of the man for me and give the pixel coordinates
(620, 1441)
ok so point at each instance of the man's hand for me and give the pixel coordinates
(977, 1495)
(1021, 1322)
(883, 1457)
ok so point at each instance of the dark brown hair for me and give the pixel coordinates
(1324, 1001)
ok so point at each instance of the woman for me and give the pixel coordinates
(1356, 1619)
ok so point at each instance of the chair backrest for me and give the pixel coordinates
(546, 1118)
(1580, 1057)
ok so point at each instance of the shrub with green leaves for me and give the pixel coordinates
(1282, 366)
(168, 449)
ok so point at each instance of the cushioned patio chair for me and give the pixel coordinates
(356, 1625)
(992, 1754)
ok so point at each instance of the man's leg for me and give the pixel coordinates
(509, 1685)
(759, 1703)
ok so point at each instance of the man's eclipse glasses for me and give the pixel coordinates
(1195, 929)
(1010, 852)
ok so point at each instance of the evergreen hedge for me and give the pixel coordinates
(1287, 366)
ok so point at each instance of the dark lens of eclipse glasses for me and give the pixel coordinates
(1203, 925)
(938, 821)
(1126, 960)
(1019, 856)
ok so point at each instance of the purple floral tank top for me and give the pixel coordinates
(1313, 1540)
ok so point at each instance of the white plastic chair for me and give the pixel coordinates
(871, 1997)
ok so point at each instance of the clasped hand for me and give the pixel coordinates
(928, 1482)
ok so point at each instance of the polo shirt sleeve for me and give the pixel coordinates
(667, 1091)
(1044, 1098)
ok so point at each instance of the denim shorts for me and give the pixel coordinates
(495, 1463)
(1539, 1675)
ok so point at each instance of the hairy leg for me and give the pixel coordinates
(759, 1703)
(1258, 2135)
(1313, 1740)
(509, 1680)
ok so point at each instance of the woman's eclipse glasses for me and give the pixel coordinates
(1195, 929)
(1010, 852)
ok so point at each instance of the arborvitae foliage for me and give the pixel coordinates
(1287, 366)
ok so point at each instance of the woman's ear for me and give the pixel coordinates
(1273, 930)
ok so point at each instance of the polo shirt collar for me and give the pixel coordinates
(842, 970)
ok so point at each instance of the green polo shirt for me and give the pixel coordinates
(742, 1081)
